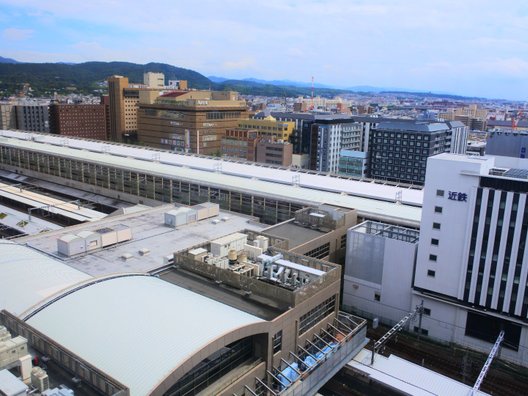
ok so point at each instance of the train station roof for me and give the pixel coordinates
(377, 201)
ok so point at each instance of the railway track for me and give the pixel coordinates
(460, 364)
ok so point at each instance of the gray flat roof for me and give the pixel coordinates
(370, 199)
(295, 234)
(412, 126)
(148, 231)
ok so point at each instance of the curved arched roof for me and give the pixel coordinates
(28, 277)
(137, 329)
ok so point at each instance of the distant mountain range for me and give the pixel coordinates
(47, 78)
(7, 60)
(300, 84)
(289, 83)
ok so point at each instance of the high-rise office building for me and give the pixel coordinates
(331, 134)
(472, 261)
(398, 151)
(123, 105)
(121, 113)
(190, 121)
(459, 137)
(32, 117)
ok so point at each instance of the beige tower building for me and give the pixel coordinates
(154, 80)
(124, 99)
(7, 116)
(190, 121)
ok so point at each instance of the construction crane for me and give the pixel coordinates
(515, 120)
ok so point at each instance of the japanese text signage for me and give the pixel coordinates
(457, 196)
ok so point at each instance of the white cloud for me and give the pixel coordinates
(15, 34)
(239, 64)
(411, 43)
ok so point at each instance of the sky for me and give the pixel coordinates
(466, 47)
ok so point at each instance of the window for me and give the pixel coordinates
(421, 331)
(438, 209)
(315, 315)
(431, 273)
(439, 193)
(377, 296)
(427, 311)
(487, 328)
(436, 226)
(319, 252)
(434, 241)
(433, 257)
(277, 341)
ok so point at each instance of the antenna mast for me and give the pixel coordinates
(312, 105)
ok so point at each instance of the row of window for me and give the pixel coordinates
(387, 150)
(404, 135)
(319, 252)
(402, 169)
(399, 142)
(221, 115)
(316, 314)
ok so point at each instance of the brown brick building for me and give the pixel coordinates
(80, 120)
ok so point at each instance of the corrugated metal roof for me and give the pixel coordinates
(137, 329)
(28, 277)
(368, 198)
(409, 378)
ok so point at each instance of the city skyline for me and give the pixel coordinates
(472, 48)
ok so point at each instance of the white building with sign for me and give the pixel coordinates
(472, 264)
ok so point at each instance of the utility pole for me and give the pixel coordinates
(487, 364)
(397, 327)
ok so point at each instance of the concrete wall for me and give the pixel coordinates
(378, 268)
(447, 322)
